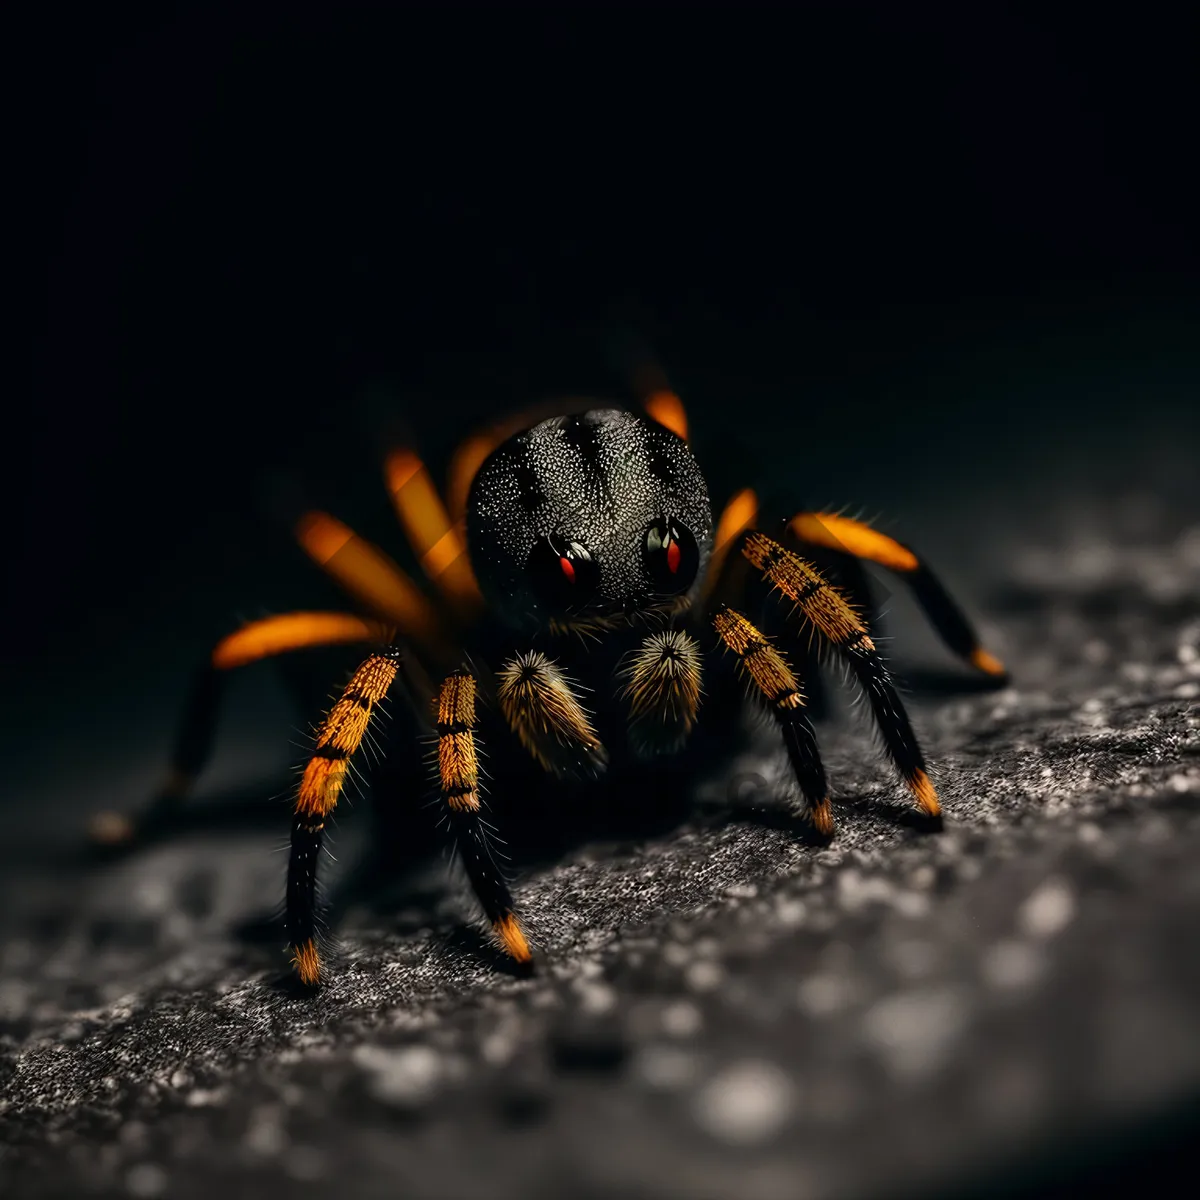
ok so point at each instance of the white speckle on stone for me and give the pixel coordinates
(1187, 691)
(1047, 772)
(498, 1047)
(146, 1180)
(969, 869)
(265, 1134)
(1187, 653)
(667, 1068)
(595, 999)
(856, 892)
(916, 1030)
(405, 1077)
(675, 954)
(682, 1019)
(133, 1133)
(746, 1104)
(1135, 672)
(790, 912)
(742, 891)
(704, 976)
(151, 896)
(1011, 965)
(1180, 783)
(824, 995)
(1049, 910)
(924, 877)
(913, 905)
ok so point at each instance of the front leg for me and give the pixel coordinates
(458, 778)
(771, 675)
(541, 704)
(340, 735)
(836, 621)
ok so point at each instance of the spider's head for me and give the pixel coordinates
(586, 520)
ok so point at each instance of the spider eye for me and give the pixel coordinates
(563, 573)
(671, 556)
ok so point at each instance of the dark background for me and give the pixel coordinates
(866, 235)
(929, 263)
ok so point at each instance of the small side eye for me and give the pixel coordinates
(671, 556)
(563, 574)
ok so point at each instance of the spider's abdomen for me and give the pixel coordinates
(560, 517)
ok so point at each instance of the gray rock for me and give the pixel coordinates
(723, 1010)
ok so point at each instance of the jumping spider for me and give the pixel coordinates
(589, 532)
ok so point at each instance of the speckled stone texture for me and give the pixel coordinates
(720, 1011)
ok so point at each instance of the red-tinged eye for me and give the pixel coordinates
(670, 556)
(562, 574)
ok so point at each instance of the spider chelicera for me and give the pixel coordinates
(589, 535)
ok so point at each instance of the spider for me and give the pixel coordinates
(591, 562)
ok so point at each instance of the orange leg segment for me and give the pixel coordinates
(436, 540)
(369, 576)
(847, 536)
(258, 640)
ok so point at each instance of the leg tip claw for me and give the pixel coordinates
(821, 816)
(989, 664)
(512, 940)
(925, 794)
(307, 964)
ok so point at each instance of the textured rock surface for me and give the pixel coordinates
(720, 1011)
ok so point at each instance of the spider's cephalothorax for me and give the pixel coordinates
(591, 527)
(589, 520)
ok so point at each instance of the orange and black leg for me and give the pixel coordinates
(459, 787)
(268, 638)
(769, 672)
(832, 617)
(858, 540)
(340, 735)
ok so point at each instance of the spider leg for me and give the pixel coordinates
(437, 541)
(738, 515)
(370, 577)
(254, 642)
(340, 735)
(540, 702)
(860, 541)
(662, 679)
(458, 777)
(665, 407)
(768, 671)
(633, 359)
(824, 607)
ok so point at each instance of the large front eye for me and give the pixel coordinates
(671, 556)
(563, 574)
